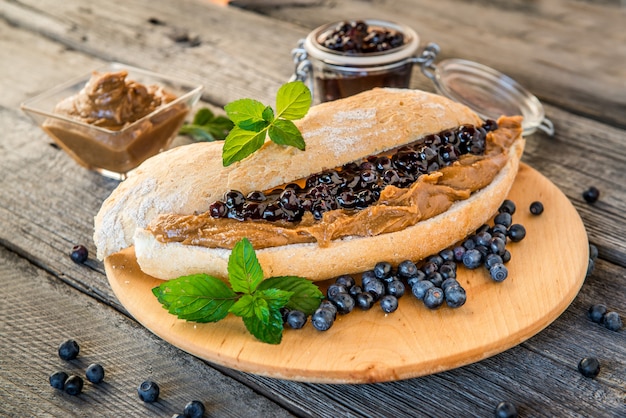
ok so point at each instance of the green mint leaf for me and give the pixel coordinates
(293, 100)
(198, 297)
(284, 132)
(203, 116)
(197, 132)
(244, 307)
(270, 332)
(247, 114)
(275, 298)
(261, 310)
(268, 114)
(306, 296)
(244, 270)
(240, 143)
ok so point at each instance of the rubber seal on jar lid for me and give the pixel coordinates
(489, 93)
(314, 48)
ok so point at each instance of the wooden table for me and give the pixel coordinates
(571, 54)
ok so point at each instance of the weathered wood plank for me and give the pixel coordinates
(47, 203)
(39, 312)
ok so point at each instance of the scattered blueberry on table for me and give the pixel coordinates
(79, 254)
(591, 195)
(95, 373)
(148, 391)
(57, 379)
(589, 367)
(194, 409)
(68, 350)
(505, 409)
(74, 385)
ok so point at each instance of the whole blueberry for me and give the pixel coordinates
(447, 254)
(346, 281)
(517, 232)
(436, 278)
(433, 298)
(418, 276)
(507, 206)
(591, 195)
(492, 259)
(334, 290)
(498, 272)
(382, 270)
(296, 319)
(73, 385)
(436, 259)
(429, 268)
(449, 282)
(407, 269)
(536, 208)
(365, 300)
(419, 289)
(355, 290)
(375, 287)
(497, 245)
(68, 350)
(328, 305)
(593, 251)
(344, 303)
(95, 373)
(79, 254)
(459, 252)
(505, 410)
(482, 238)
(589, 366)
(503, 218)
(367, 276)
(506, 257)
(596, 313)
(612, 321)
(57, 379)
(148, 391)
(396, 288)
(194, 409)
(389, 303)
(472, 259)
(455, 296)
(322, 319)
(448, 270)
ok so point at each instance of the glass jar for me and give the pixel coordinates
(333, 74)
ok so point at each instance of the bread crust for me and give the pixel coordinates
(188, 179)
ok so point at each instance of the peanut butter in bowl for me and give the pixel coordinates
(115, 118)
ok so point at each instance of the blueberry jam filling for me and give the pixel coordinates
(356, 185)
(358, 37)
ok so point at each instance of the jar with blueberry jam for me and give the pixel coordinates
(344, 58)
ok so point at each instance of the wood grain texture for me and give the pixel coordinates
(366, 347)
(36, 322)
(47, 202)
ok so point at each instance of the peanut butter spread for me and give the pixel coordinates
(397, 208)
(110, 101)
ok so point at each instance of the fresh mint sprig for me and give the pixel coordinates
(204, 298)
(254, 122)
(206, 127)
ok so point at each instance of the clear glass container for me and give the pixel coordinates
(337, 74)
(114, 153)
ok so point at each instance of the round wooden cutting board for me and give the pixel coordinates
(546, 272)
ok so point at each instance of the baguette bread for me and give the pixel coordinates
(186, 180)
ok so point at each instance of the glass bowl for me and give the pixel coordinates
(114, 152)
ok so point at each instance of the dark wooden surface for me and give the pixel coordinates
(571, 54)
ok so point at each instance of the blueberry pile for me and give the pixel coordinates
(356, 185)
(433, 281)
(358, 37)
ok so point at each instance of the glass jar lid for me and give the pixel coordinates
(489, 93)
(313, 45)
